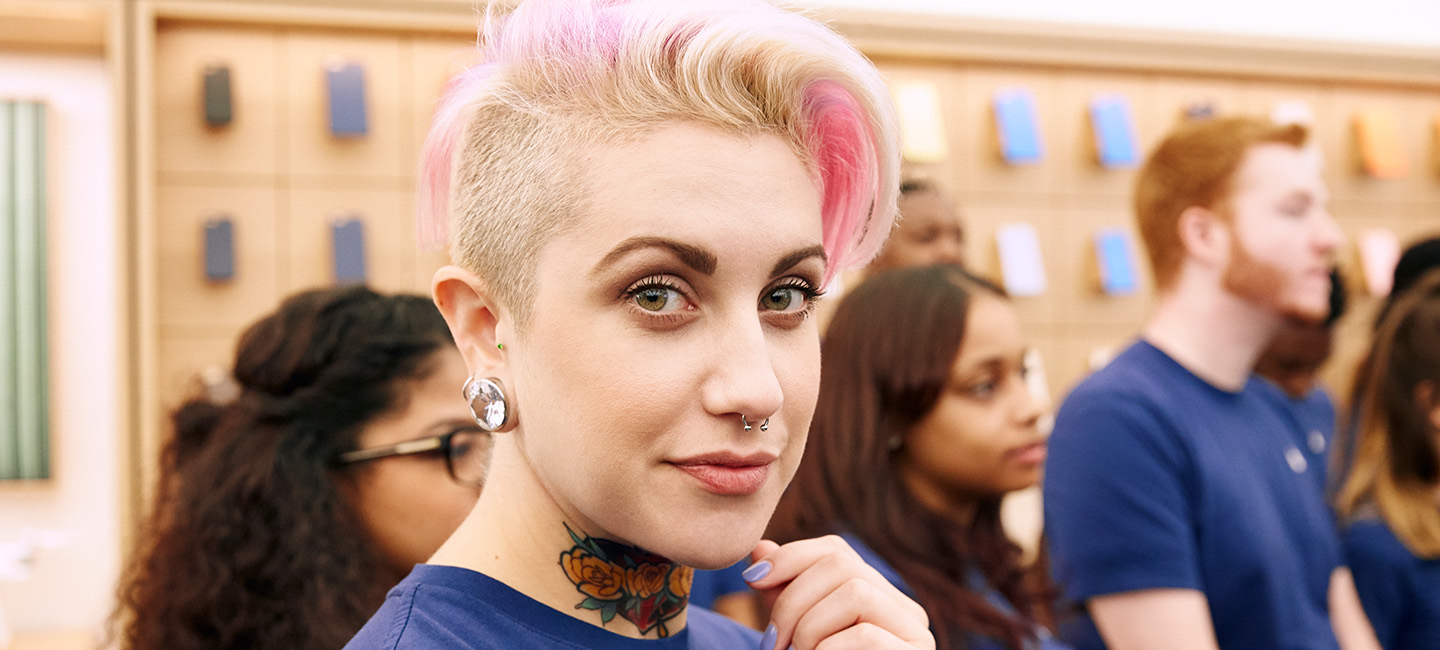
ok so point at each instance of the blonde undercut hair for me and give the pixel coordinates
(556, 78)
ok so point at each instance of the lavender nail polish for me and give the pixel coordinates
(767, 642)
(756, 571)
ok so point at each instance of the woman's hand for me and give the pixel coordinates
(822, 596)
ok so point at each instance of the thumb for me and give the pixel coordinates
(763, 548)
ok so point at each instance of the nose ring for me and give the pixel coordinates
(764, 426)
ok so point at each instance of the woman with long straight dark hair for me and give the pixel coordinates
(924, 423)
(1389, 501)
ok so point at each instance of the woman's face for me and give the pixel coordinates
(981, 439)
(678, 303)
(409, 504)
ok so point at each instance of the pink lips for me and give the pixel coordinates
(728, 474)
(1032, 454)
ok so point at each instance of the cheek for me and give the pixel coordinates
(960, 435)
(412, 507)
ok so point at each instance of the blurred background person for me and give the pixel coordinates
(1389, 502)
(284, 516)
(929, 231)
(1291, 367)
(924, 424)
(1416, 260)
(1178, 509)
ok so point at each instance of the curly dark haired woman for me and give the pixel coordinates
(284, 516)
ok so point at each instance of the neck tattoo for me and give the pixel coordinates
(639, 586)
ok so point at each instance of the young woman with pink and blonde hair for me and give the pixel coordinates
(644, 200)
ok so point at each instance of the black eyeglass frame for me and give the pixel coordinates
(443, 443)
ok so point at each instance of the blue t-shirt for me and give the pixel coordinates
(710, 586)
(1314, 416)
(977, 583)
(1400, 592)
(450, 608)
(1157, 479)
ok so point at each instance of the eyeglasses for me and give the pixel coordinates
(466, 449)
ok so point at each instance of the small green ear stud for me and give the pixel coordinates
(500, 345)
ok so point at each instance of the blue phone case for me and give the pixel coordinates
(1116, 261)
(219, 249)
(1018, 128)
(347, 237)
(1114, 131)
(347, 100)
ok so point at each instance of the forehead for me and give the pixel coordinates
(693, 182)
(992, 330)
(926, 207)
(1275, 168)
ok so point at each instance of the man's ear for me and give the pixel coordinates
(1204, 236)
(475, 319)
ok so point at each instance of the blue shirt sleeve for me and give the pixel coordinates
(1118, 499)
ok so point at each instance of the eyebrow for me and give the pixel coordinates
(698, 258)
(693, 256)
(789, 261)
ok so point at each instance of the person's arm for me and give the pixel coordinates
(823, 595)
(1352, 628)
(1119, 520)
(1154, 619)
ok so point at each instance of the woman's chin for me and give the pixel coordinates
(714, 547)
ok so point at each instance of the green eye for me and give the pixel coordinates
(782, 299)
(657, 299)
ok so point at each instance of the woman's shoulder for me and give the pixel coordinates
(1370, 537)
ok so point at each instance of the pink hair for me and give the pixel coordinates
(842, 148)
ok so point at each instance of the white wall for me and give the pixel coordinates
(1393, 22)
(72, 585)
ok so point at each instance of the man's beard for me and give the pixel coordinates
(1264, 284)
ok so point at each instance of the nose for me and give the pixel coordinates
(1328, 237)
(1028, 406)
(949, 250)
(742, 378)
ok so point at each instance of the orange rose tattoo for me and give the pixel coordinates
(641, 587)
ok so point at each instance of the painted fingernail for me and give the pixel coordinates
(767, 642)
(756, 571)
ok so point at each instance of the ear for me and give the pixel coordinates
(1205, 236)
(476, 320)
(1428, 400)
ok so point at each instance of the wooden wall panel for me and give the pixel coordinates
(185, 296)
(946, 173)
(312, 153)
(389, 236)
(186, 146)
(1076, 287)
(1408, 109)
(986, 176)
(184, 354)
(1175, 95)
(1084, 183)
